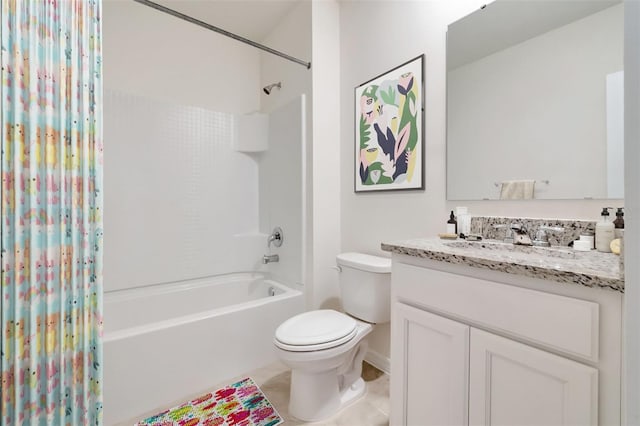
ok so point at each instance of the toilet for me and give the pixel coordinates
(325, 348)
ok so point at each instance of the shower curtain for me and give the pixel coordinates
(51, 283)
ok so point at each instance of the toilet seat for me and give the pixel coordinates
(315, 330)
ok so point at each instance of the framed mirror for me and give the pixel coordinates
(535, 94)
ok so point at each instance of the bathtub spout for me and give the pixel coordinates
(270, 258)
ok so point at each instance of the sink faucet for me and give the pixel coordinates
(541, 239)
(269, 258)
(508, 234)
(520, 235)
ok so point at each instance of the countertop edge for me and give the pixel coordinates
(570, 277)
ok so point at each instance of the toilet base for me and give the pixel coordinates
(353, 392)
(316, 397)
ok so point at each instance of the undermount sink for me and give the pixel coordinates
(508, 249)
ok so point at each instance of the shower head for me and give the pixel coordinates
(269, 88)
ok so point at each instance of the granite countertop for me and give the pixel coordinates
(590, 269)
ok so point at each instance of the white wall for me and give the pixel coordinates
(151, 53)
(533, 109)
(326, 153)
(293, 37)
(179, 202)
(311, 32)
(615, 135)
(366, 51)
(281, 190)
(632, 217)
(369, 48)
(369, 218)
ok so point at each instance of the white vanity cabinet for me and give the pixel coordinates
(478, 347)
(430, 368)
(514, 384)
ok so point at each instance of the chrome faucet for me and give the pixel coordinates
(508, 233)
(275, 237)
(269, 258)
(542, 239)
(520, 235)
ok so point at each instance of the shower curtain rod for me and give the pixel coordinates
(223, 32)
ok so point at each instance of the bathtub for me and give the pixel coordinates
(167, 342)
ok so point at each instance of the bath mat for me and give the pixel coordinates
(239, 404)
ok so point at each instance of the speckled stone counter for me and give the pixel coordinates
(590, 269)
(493, 227)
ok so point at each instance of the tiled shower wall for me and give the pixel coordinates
(180, 203)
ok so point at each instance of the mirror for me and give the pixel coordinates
(534, 92)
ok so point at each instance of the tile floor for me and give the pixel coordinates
(371, 410)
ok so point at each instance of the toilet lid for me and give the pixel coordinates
(315, 330)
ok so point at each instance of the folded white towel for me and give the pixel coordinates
(517, 190)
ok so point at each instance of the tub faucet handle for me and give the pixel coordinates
(275, 237)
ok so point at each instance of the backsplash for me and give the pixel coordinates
(486, 226)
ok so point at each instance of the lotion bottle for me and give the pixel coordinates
(604, 232)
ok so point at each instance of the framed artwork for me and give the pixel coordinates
(389, 145)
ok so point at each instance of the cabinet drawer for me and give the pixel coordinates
(562, 323)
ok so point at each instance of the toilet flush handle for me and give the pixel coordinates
(337, 268)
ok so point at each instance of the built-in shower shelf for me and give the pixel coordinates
(252, 132)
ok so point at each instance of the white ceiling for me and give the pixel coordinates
(252, 19)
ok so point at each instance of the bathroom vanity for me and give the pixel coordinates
(489, 333)
(498, 334)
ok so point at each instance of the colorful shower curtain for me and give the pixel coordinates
(51, 283)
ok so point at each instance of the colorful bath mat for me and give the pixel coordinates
(239, 404)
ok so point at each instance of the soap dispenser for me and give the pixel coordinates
(619, 223)
(604, 232)
(452, 224)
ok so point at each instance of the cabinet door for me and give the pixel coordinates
(514, 384)
(429, 369)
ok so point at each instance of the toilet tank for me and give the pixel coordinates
(365, 285)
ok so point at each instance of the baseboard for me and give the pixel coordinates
(379, 361)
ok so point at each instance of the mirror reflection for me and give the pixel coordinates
(534, 99)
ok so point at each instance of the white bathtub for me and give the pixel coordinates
(167, 342)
